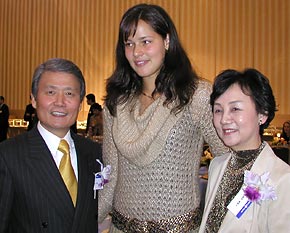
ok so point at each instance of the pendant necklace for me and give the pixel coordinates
(148, 96)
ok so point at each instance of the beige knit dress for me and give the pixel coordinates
(155, 157)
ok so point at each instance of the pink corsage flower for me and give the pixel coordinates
(256, 188)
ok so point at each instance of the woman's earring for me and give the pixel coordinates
(260, 122)
(167, 43)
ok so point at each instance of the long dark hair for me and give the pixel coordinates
(284, 134)
(177, 80)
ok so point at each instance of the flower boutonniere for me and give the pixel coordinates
(256, 188)
(102, 177)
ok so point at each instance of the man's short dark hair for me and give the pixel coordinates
(58, 65)
(91, 97)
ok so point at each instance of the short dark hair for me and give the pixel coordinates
(96, 106)
(91, 97)
(58, 65)
(254, 84)
(2, 97)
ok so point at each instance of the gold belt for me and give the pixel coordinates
(182, 223)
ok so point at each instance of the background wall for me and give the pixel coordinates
(217, 34)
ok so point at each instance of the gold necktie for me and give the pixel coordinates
(67, 172)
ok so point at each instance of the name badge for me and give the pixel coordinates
(98, 183)
(239, 204)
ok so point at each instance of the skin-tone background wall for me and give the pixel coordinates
(217, 34)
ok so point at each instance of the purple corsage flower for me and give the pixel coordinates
(252, 193)
(256, 188)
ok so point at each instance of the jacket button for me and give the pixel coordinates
(44, 224)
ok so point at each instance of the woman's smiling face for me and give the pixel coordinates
(145, 51)
(236, 119)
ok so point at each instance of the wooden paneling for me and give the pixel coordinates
(217, 34)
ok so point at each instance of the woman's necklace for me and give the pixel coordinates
(148, 96)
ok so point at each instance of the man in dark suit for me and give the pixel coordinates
(30, 116)
(4, 117)
(34, 194)
(91, 100)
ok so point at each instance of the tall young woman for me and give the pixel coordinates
(157, 117)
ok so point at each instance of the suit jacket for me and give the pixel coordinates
(90, 113)
(4, 122)
(4, 117)
(33, 196)
(28, 116)
(270, 216)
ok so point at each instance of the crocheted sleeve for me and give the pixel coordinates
(206, 119)
(110, 157)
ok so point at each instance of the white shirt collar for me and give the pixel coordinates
(51, 140)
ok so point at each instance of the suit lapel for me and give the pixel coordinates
(216, 176)
(263, 163)
(216, 171)
(47, 176)
(86, 168)
(83, 170)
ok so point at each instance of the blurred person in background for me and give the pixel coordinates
(286, 132)
(91, 100)
(30, 116)
(4, 119)
(96, 121)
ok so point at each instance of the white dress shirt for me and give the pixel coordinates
(52, 142)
